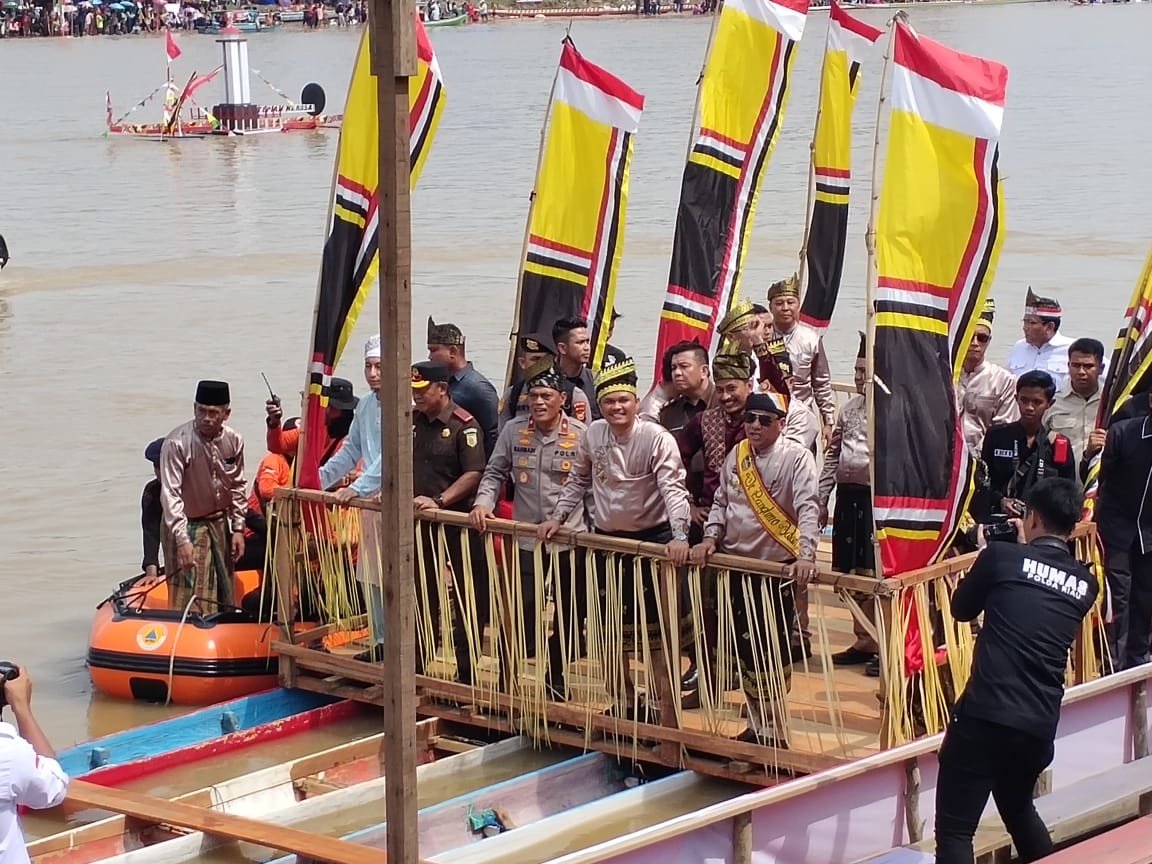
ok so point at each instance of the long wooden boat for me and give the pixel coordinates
(457, 21)
(310, 793)
(209, 732)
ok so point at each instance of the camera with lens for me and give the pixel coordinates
(1000, 530)
(8, 671)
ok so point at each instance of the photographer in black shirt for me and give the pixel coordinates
(1034, 595)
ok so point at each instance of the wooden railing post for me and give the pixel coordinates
(742, 838)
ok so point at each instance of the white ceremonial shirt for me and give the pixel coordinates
(26, 780)
(1052, 358)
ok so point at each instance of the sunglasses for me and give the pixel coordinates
(983, 338)
(758, 417)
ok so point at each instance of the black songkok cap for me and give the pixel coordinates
(213, 393)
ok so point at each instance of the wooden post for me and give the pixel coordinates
(1139, 698)
(912, 801)
(742, 838)
(393, 44)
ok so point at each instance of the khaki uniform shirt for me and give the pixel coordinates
(199, 478)
(847, 458)
(789, 474)
(986, 397)
(637, 482)
(444, 448)
(538, 464)
(1074, 417)
(811, 381)
(514, 404)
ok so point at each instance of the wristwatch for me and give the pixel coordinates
(439, 501)
(680, 537)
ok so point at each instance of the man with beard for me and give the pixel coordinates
(536, 452)
(362, 444)
(467, 387)
(202, 492)
(811, 382)
(573, 352)
(447, 464)
(1043, 347)
(986, 393)
(632, 467)
(765, 508)
(1023, 452)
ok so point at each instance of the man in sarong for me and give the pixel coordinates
(202, 492)
(985, 393)
(766, 508)
(634, 470)
(847, 469)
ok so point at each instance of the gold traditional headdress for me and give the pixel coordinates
(789, 287)
(988, 313)
(740, 314)
(617, 378)
(736, 366)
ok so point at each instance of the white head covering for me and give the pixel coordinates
(372, 347)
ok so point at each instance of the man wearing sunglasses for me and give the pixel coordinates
(766, 507)
(986, 393)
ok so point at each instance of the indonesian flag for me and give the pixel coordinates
(170, 46)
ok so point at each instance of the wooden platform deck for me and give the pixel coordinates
(834, 712)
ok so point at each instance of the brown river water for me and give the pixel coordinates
(139, 267)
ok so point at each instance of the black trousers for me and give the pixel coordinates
(433, 575)
(1130, 583)
(762, 619)
(978, 758)
(649, 586)
(568, 591)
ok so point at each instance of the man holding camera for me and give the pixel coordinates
(1034, 595)
(30, 776)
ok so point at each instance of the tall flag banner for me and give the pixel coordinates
(351, 254)
(1129, 372)
(743, 94)
(576, 225)
(848, 41)
(170, 47)
(939, 234)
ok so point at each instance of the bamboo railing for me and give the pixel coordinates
(621, 624)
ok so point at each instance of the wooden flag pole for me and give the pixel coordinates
(528, 221)
(802, 268)
(393, 43)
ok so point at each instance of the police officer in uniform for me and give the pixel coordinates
(1033, 596)
(535, 452)
(534, 350)
(447, 464)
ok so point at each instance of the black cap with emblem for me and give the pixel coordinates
(429, 372)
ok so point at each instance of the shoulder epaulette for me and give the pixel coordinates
(460, 414)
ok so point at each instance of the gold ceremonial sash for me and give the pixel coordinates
(773, 519)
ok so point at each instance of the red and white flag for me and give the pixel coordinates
(172, 48)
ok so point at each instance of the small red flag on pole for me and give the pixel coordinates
(172, 48)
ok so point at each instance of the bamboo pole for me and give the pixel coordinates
(802, 269)
(393, 41)
(528, 221)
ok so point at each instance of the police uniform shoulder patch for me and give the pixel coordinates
(471, 436)
(460, 414)
(580, 411)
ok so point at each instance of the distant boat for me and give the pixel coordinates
(462, 18)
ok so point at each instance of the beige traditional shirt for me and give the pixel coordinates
(846, 460)
(789, 474)
(538, 464)
(811, 381)
(637, 481)
(986, 397)
(199, 478)
(1075, 417)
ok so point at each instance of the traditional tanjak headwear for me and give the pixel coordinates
(1045, 308)
(988, 313)
(213, 393)
(740, 315)
(542, 374)
(372, 348)
(444, 334)
(617, 378)
(789, 287)
(732, 367)
(775, 403)
(862, 351)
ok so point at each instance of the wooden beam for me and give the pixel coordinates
(217, 824)
(393, 45)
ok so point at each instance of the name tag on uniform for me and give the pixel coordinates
(1003, 454)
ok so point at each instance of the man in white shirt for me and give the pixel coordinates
(1043, 346)
(30, 776)
(1077, 405)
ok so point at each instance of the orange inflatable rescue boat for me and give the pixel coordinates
(141, 649)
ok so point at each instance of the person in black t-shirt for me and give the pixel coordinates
(1023, 452)
(1034, 596)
